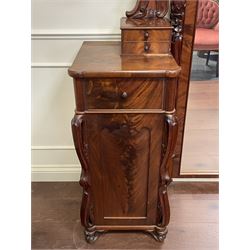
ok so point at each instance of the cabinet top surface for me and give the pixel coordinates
(103, 59)
(145, 23)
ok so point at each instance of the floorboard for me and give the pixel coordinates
(193, 226)
(201, 139)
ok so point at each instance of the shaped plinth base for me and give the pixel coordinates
(159, 234)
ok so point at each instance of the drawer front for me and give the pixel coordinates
(124, 93)
(137, 48)
(146, 35)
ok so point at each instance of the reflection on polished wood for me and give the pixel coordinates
(200, 149)
(125, 94)
(193, 225)
(125, 124)
(124, 131)
(112, 64)
(146, 36)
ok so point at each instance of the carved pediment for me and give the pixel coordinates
(149, 9)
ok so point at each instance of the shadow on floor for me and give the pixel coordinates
(193, 226)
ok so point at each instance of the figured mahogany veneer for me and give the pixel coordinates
(124, 93)
(139, 35)
(138, 48)
(89, 63)
(125, 124)
(145, 37)
(125, 157)
(124, 132)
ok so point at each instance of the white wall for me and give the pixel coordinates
(58, 29)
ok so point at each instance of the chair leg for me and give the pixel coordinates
(208, 57)
(217, 67)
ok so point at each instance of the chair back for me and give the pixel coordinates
(208, 14)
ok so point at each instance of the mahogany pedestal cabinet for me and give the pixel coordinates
(125, 126)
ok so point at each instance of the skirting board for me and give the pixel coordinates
(64, 173)
(54, 173)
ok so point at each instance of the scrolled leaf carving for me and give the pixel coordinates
(78, 124)
(149, 9)
(177, 18)
(163, 214)
(165, 170)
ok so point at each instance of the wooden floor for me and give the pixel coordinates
(193, 226)
(201, 139)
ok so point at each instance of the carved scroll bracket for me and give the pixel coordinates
(78, 124)
(149, 9)
(165, 178)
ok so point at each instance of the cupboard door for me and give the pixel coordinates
(124, 153)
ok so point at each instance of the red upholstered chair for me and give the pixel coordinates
(207, 28)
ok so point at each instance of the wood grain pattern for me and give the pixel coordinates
(150, 35)
(91, 62)
(140, 48)
(124, 149)
(193, 226)
(130, 141)
(125, 124)
(124, 93)
(171, 129)
(140, 37)
(202, 125)
(79, 135)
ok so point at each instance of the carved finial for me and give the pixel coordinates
(149, 9)
(177, 16)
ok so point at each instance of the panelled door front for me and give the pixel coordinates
(124, 153)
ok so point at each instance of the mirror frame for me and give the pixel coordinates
(183, 53)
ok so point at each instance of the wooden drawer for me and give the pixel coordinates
(137, 48)
(146, 35)
(124, 93)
